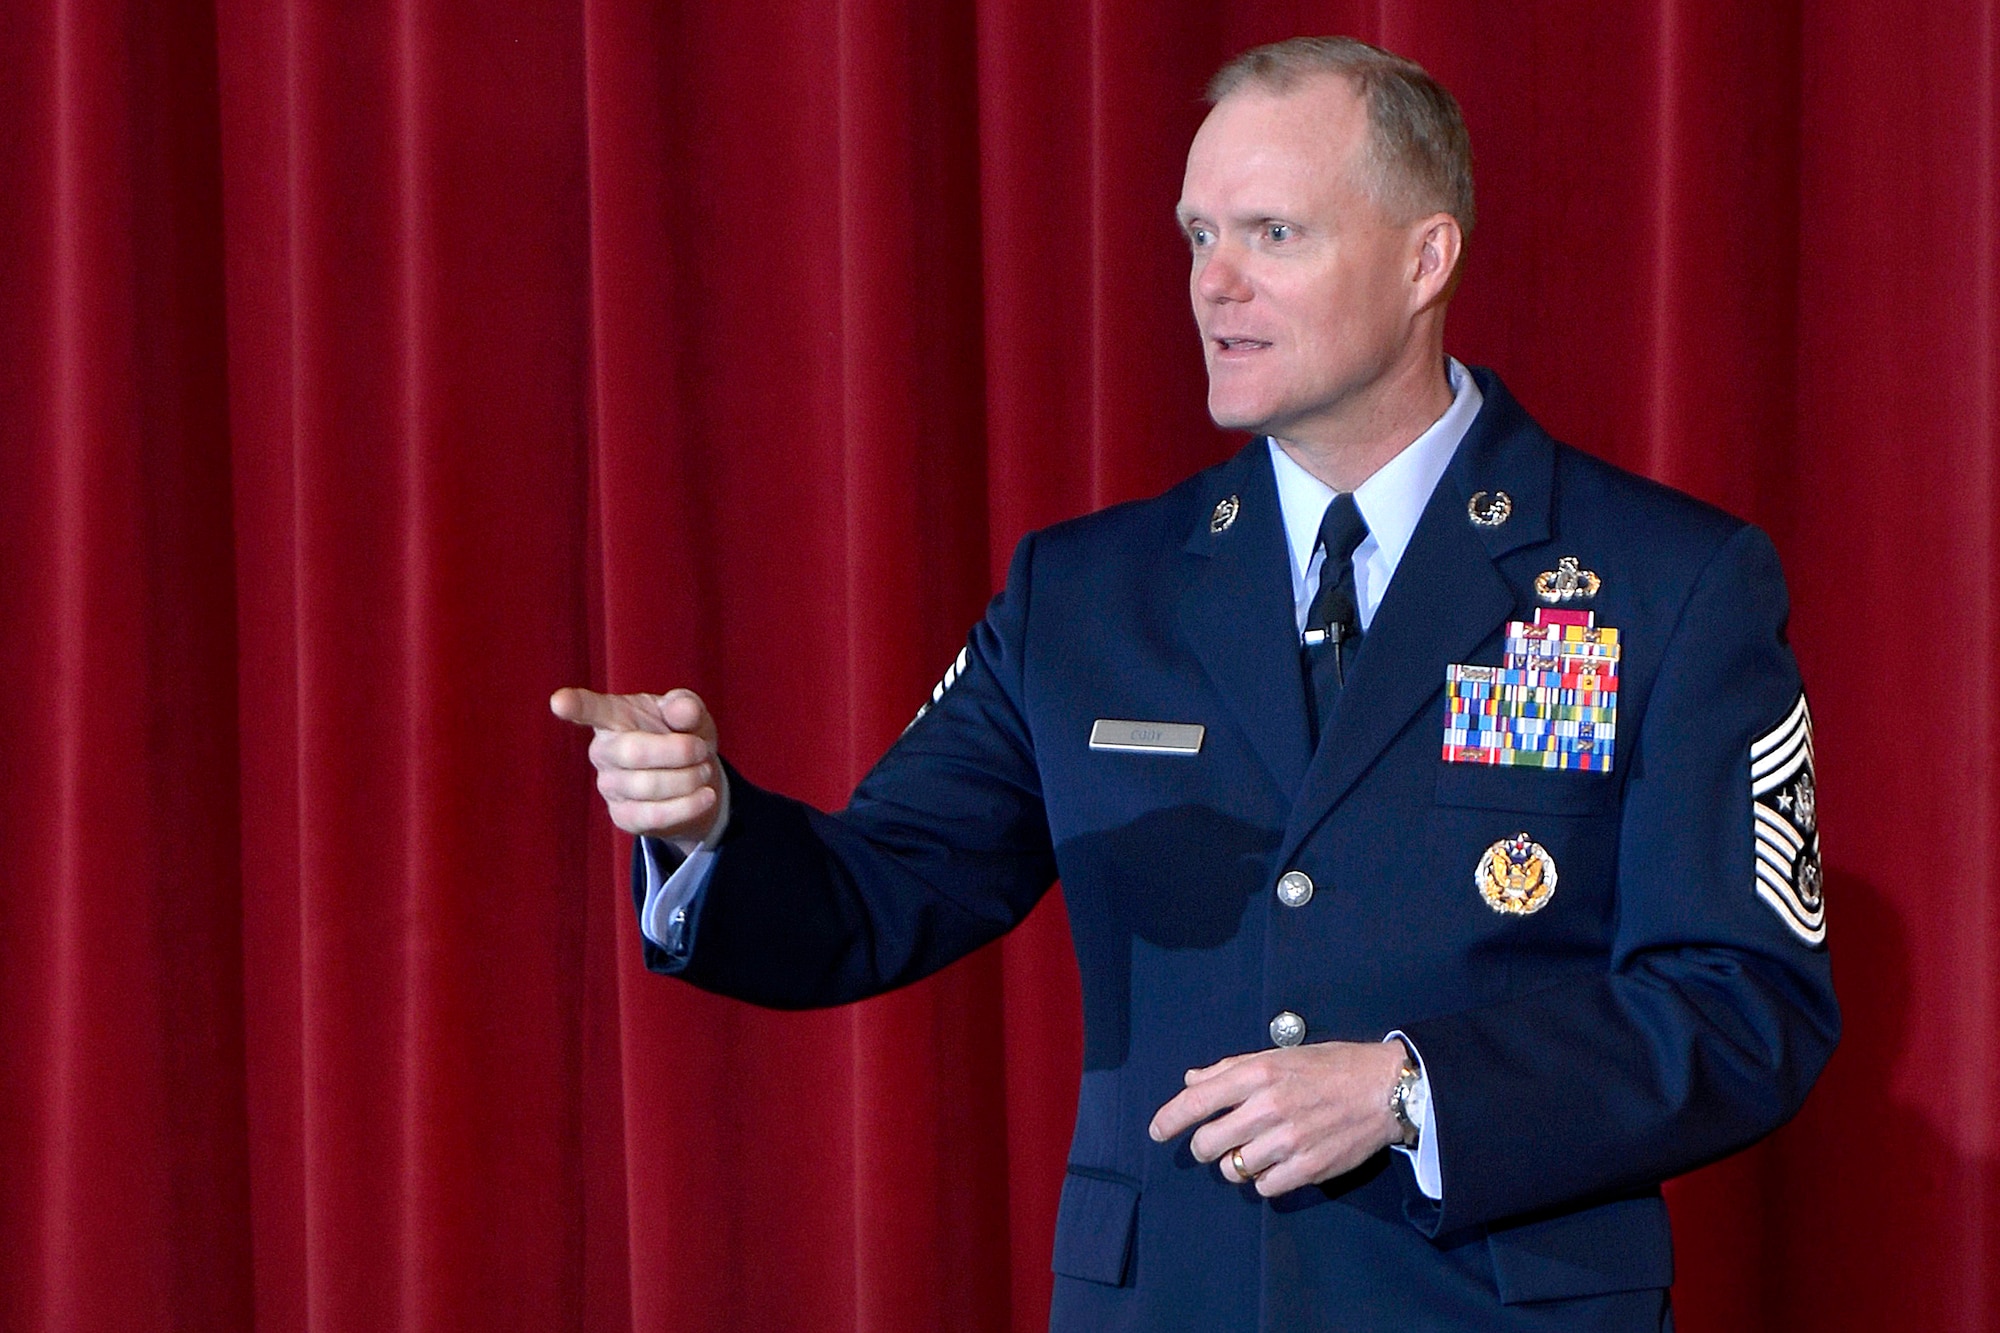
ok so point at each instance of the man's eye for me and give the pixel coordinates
(1279, 231)
(1199, 236)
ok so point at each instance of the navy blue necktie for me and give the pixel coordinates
(1333, 624)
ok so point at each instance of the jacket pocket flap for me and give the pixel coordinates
(1553, 791)
(1094, 1228)
(1619, 1246)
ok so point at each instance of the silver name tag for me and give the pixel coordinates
(1146, 737)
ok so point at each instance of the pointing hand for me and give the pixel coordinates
(655, 758)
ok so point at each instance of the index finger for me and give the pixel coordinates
(610, 712)
(1227, 1062)
(1196, 1103)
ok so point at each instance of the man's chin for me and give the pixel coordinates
(1238, 416)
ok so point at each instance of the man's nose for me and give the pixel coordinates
(1221, 276)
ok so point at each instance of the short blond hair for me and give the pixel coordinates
(1419, 156)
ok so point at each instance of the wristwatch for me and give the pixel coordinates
(1400, 1093)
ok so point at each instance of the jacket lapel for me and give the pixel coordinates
(1445, 600)
(1236, 614)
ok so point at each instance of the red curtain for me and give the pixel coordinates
(367, 370)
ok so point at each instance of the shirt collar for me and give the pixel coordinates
(1391, 501)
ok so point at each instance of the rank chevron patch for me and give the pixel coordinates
(951, 675)
(1784, 824)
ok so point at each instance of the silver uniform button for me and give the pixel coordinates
(1295, 888)
(1287, 1029)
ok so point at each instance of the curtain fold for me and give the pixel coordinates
(369, 370)
(122, 1176)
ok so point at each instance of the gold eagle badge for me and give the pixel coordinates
(1516, 875)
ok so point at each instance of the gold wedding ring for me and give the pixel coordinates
(1236, 1160)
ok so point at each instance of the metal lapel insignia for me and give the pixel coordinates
(1489, 509)
(1225, 514)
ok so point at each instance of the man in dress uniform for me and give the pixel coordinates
(1433, 802)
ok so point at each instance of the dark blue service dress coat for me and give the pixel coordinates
(1657, 1012)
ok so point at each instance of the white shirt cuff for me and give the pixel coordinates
(1423, 1154)
(663, 918)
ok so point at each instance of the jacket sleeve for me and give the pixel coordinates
(944, 847)
(1716, 1012)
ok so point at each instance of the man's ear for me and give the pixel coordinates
(1440, 244)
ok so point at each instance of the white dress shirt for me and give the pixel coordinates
(1391, 501)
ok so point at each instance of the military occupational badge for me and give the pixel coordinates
(1784, 824)
(1568, 581)
(1516, 875)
